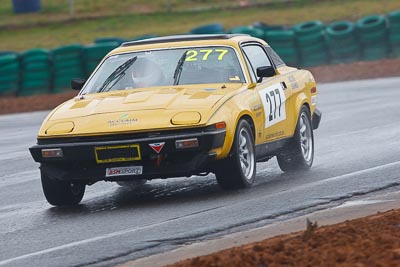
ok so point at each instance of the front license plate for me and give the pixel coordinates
(119, 171)
(108, 154)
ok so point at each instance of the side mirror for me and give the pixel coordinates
(266, 71)
(77, 83)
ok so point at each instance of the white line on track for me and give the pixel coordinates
(128, 231)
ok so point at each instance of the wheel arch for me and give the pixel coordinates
(238, 107)
(307, 105)
(250, 120)
(301, 100)
(231, 129)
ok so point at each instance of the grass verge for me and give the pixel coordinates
(55, 32)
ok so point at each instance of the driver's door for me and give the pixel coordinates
(272, 91)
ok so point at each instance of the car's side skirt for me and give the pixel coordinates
(265, 151)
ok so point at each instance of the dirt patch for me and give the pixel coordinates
(33, 103)
(331, 73)
(369, 241)
(357, 71)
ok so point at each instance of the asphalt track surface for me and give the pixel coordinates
(357, 154)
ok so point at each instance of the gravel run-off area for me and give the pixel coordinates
(368, 241)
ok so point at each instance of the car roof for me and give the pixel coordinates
(233, 40)
(183, 38)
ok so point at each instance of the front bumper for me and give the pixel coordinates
(79, 155)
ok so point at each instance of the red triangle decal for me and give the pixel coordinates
(157, 147)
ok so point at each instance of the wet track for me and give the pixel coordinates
(357, 153)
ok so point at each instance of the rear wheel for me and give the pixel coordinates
(62, 193)
(299, 152)
(239, 169)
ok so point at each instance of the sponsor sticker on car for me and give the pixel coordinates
(120, 171)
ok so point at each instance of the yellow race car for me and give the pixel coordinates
(179, 106)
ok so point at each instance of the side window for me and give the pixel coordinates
(275, 57)
(250, 68)
(257, 57)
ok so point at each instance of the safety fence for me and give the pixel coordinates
(311, 43)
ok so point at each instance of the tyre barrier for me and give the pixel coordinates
(394, 33)
(250, 30)
(310, 39)
(284, 43)
(36, 72)
(308, 27)
(213, 28)
(342, 42)
(268, 27)
(144, 37)
(9, 74)
(394, 17)
(94, 53)
(282, 38)
(373, 34)
(289, 55)
(371, 23)
(3, 53)
(67, 64)
(109, 40)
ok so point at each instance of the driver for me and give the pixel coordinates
(146, 73)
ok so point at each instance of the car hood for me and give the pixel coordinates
(139, 109)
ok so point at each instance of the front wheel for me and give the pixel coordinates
(62, 193)
(298, 154)
(239, 169)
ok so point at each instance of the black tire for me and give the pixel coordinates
(62, 193)
(298, 155)
(239, 169)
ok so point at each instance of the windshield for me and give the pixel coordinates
(199, 65)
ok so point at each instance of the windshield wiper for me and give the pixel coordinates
(117, 74)
(178, 69)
